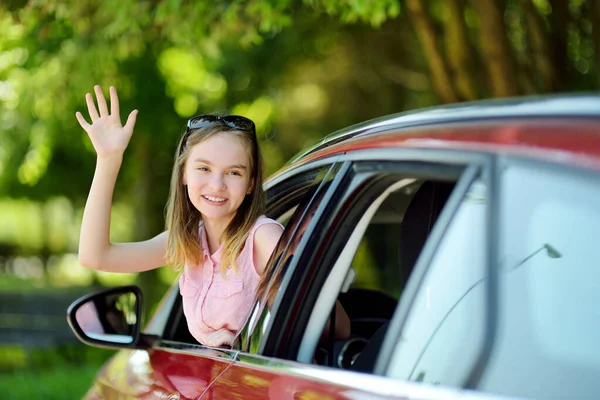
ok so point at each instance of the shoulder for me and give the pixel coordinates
(264, 220)
(266, 235)
(267, 232)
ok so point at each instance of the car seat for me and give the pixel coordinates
(418, 222)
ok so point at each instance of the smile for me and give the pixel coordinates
(214, 199)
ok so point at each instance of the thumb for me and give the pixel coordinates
(131, 120)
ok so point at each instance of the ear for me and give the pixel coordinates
(183, 178)
(250, 186)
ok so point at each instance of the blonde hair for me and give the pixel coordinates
(183, 219)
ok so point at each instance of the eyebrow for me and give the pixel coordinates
(239, 166)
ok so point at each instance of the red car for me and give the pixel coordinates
(460, 240)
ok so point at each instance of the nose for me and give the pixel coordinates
(217, 183)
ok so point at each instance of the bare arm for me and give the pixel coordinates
(342, 324)
(110, 139)
(265, 241)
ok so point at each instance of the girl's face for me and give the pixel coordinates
(218, 176)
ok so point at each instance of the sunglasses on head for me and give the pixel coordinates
(236, 122)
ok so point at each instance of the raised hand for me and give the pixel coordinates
(106, 132)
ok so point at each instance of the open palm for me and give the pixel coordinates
(106, 132)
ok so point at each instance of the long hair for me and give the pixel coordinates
(183, 219)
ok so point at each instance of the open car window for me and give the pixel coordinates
(388, 220)
(286, 202)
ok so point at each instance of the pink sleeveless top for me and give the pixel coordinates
(212, 300)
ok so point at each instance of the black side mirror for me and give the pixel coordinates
(108, 318)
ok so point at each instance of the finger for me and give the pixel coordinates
(114, 103)
(220, 341)
(131, 121)
(84, 124)
(89, 100)
(102, 107)
(219, 338)
(225, 337)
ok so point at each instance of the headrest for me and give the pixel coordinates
(419, 219)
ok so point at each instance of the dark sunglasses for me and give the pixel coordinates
(236, 122)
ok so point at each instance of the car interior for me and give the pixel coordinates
(383, 263)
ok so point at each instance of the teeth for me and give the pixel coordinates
(216, 199)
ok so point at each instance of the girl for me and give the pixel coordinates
(215, 227)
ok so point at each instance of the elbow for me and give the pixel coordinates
(89, 262)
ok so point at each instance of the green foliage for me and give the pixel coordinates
(300, 69)
(202, 56)
(61, 373)
(352, 11)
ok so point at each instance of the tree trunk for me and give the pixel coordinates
(458, 51)
(541, 50)
(426, 34)
(596, 39)
(560, 20)
(496, 49)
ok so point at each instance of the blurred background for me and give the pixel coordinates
(301, 69)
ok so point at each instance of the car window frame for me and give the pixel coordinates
(294, 199)
(318, 210)
(414, 161)
(387, 174)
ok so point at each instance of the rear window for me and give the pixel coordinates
(549, 309)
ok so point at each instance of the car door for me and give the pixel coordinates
(546, 315)
(537, 335)
(285, 366)
(158, 366)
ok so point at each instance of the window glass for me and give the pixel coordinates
(382, 247)
(445, 327)
(549, 319)
(295, 225)
(293, 206)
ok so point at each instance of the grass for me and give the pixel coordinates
(60, 383)
(61, 373)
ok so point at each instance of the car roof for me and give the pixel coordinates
(567, 126)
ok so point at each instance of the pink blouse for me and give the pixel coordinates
(212, 301)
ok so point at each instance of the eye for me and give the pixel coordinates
(203, 169)
(235, 173)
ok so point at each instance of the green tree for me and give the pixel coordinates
(300, 69)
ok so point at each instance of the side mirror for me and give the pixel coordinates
(108, 318)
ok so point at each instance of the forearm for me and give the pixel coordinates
(342, 324)
(94, 240)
